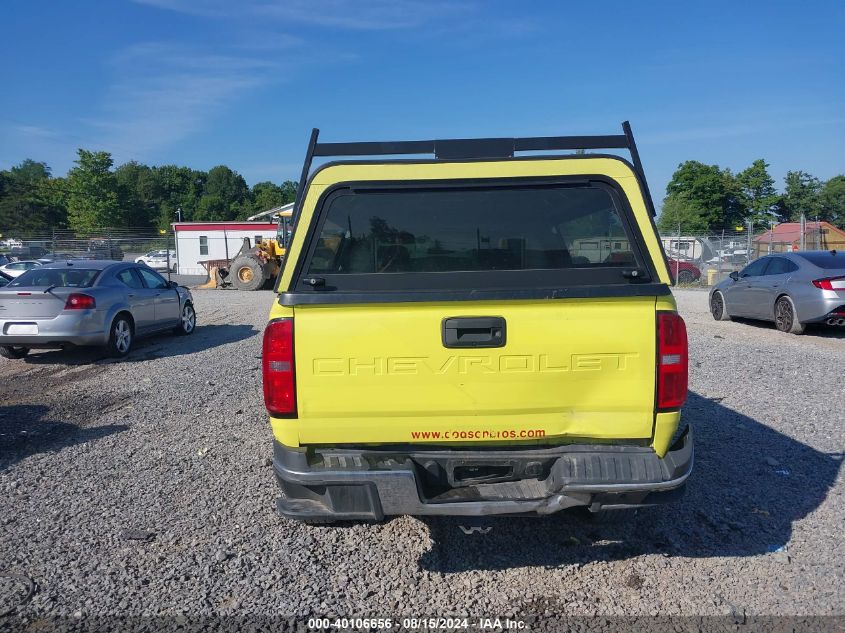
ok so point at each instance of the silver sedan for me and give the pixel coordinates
(791, 289)
(90, 303)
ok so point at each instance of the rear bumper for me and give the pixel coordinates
(369, 484)
(819, 309)
(81, 327)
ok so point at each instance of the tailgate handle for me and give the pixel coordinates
(469, 332)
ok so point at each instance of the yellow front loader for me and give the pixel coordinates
(255, 266)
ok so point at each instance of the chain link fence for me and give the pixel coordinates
(106, 243)
(198, 249)
(705, 259)
(695, 259)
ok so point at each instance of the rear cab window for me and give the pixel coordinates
(500, 235)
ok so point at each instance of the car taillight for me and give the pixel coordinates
(829, 283)
(78, 301)
(672, 361)
(278, 368)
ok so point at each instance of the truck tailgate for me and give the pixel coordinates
(568, 368)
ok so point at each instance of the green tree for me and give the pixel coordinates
(31, 201)
(267, 195)
(229, 188)
(181, 188)
(93, 199)
(140, 194)
(701, 197)
(832, 201)
(801, 195)
(30, 172)
(211, 209)
(680, 211)
(757, 193)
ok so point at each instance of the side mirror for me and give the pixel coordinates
(734, 275)
(174, 284)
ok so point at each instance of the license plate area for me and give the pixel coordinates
(440, 473)
(468, 474)
(21, 329)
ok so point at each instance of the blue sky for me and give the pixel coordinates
(205, 82)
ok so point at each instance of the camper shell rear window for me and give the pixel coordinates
(497, 234)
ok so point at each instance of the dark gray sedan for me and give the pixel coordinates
(90, 303)
(791, 289)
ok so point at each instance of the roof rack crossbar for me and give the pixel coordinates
(455, 149)
(472, 147)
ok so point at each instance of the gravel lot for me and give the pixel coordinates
(144, 487)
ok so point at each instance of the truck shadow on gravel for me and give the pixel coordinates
(27, 430)
(749, 485)
(149, 348)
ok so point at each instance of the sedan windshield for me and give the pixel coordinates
(56, 277)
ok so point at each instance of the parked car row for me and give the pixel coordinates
(94, 249)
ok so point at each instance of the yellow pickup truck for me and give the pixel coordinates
(442, 344)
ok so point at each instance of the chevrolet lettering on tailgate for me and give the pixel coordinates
(512, 363)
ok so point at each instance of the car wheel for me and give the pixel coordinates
(187, 321)
(786, 319)
(121, 337)
(685, 277)
(717, 307)
(13, 352)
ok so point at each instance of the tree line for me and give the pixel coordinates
(706, 198)
(699, 198)
(96, 194)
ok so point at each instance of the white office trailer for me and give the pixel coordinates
(202, 241)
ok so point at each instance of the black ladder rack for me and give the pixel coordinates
(472, 148)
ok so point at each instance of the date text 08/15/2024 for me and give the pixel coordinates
(417, 624)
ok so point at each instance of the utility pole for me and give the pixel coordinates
(803, 224)
(678, 254)
(749, 239)
(771, 234)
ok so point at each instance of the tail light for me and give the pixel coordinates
(672, 361)
(278, 368)
(830, 283)
(78, 301)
